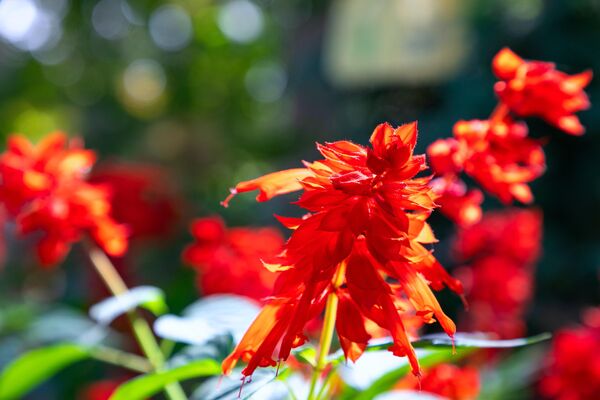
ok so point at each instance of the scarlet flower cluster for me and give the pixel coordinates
(362, 241)
(573, 370)
(497, 152)
(44, 189)
(229, 260)
(501, 251)
(447, 380)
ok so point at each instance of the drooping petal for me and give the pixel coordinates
(271, 185)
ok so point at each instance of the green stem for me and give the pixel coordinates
(123, 359)
(141, 329)
(328, 330)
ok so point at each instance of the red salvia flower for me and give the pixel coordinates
(534, 88)
(44, 189)
(496, 152)
(228, 260)
(573, 370)
(366, 228)
(501, 251)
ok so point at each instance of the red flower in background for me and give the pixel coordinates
(367, 222)
(44, 189)
(496, 152)
(447, 380)
(573, 364)
(535, 88)
(228, 260)
(100, 390)
(501, 251)
(143, 198)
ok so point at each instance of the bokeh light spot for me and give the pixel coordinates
(170, 28)
(241, 21)
(266, 82)
(108, 19)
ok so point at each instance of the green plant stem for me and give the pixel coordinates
(141, 329)
(328, 329)
(123, 359)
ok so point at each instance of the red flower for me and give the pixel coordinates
(512, 233)
(229, 260)
(573, 371)
(44, 188)
(101, 390)
(447, 380)
(367, 224)
(496, 152)
(143, 198)
(457, 202)
(534, 88)
(501, 250)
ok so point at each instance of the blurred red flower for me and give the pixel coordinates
(447, 380)
(228, 260)
(501, 251)
(143, 198)
(44, 189)
(367, 223)
(535, 88)
(100, 390)
(573, 370)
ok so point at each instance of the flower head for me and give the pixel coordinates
(364, 237)
(228, 260)
(534, 88)
(44, 189)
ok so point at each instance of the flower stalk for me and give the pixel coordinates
(141, 329)
(327, 332)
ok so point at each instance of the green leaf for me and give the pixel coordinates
(36, 366)
(461, 340)
(147, 385)
(475, 340)
(307, 355)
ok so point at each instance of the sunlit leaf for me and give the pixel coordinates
(263, 385)
(149, 297)
(207, 318)
(145, 386)
(36, 366)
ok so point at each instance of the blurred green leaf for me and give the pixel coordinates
(34, 367)
(148, 297)
(306, 354)
(147, 385)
